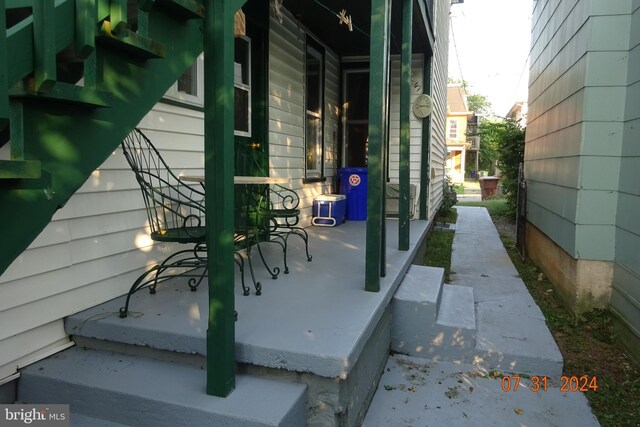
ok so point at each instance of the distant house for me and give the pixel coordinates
(582, 154)
(518, 112)
(461, 138)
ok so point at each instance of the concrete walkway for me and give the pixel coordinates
(511, 337)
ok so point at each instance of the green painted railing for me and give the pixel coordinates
(121, 85)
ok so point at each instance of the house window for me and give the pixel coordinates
(453, 129)
(242, 86)
(314, 107)
(189, 88)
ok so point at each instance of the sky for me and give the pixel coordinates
(491, 49)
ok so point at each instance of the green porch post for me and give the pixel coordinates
(378, 81)
(405, 141)
(218, 152)
(4, 84)
(425, 167)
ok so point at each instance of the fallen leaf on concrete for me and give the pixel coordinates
(453, 392)
(470, 389)
(518, 411)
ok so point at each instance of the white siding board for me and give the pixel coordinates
(415, 124)
(23, 349)
(439, 75)
(285, 111)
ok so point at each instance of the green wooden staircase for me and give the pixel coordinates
(126, 53)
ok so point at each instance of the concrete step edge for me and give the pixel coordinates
(457, 307)
(152, 392)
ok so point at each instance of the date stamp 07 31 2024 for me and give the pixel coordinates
(537, 383)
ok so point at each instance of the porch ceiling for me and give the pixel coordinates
(319, 16)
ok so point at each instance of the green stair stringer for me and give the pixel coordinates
(70, 143)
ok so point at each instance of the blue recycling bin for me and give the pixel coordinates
(353, 184)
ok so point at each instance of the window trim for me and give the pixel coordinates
(245, 87)
(184, 98)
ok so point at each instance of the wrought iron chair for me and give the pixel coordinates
(175, 211)
(282, 214)
(276, 209)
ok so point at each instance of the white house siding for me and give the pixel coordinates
(439, 70)
(417, 72)
(94, 247)
(286, 111)
(625, 295)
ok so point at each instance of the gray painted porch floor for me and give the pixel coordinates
(315, 319)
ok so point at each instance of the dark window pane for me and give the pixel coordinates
(314, 138)
(358, 96)
(241, 110)
(187, 81)
(313, 84)
(357, 138)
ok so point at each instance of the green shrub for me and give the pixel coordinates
(449, 200)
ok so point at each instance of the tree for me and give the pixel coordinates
(503, 139)
(479, 104)
(511, 154)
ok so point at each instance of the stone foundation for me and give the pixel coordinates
(582, 284)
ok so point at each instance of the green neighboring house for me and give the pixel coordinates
(582, 157)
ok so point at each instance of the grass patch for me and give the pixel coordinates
(495, 207)
(459, 189)
(438, 252)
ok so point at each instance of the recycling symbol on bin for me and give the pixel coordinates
(354, 180)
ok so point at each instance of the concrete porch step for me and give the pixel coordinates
(111, 389)
(433, 320)
(456, 325)
(79, 420)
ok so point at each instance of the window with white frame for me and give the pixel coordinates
(242, 86)
(189, 88)
(314, 108)
(453, 129)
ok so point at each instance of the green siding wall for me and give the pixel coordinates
(625, 296)
(577, 92)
